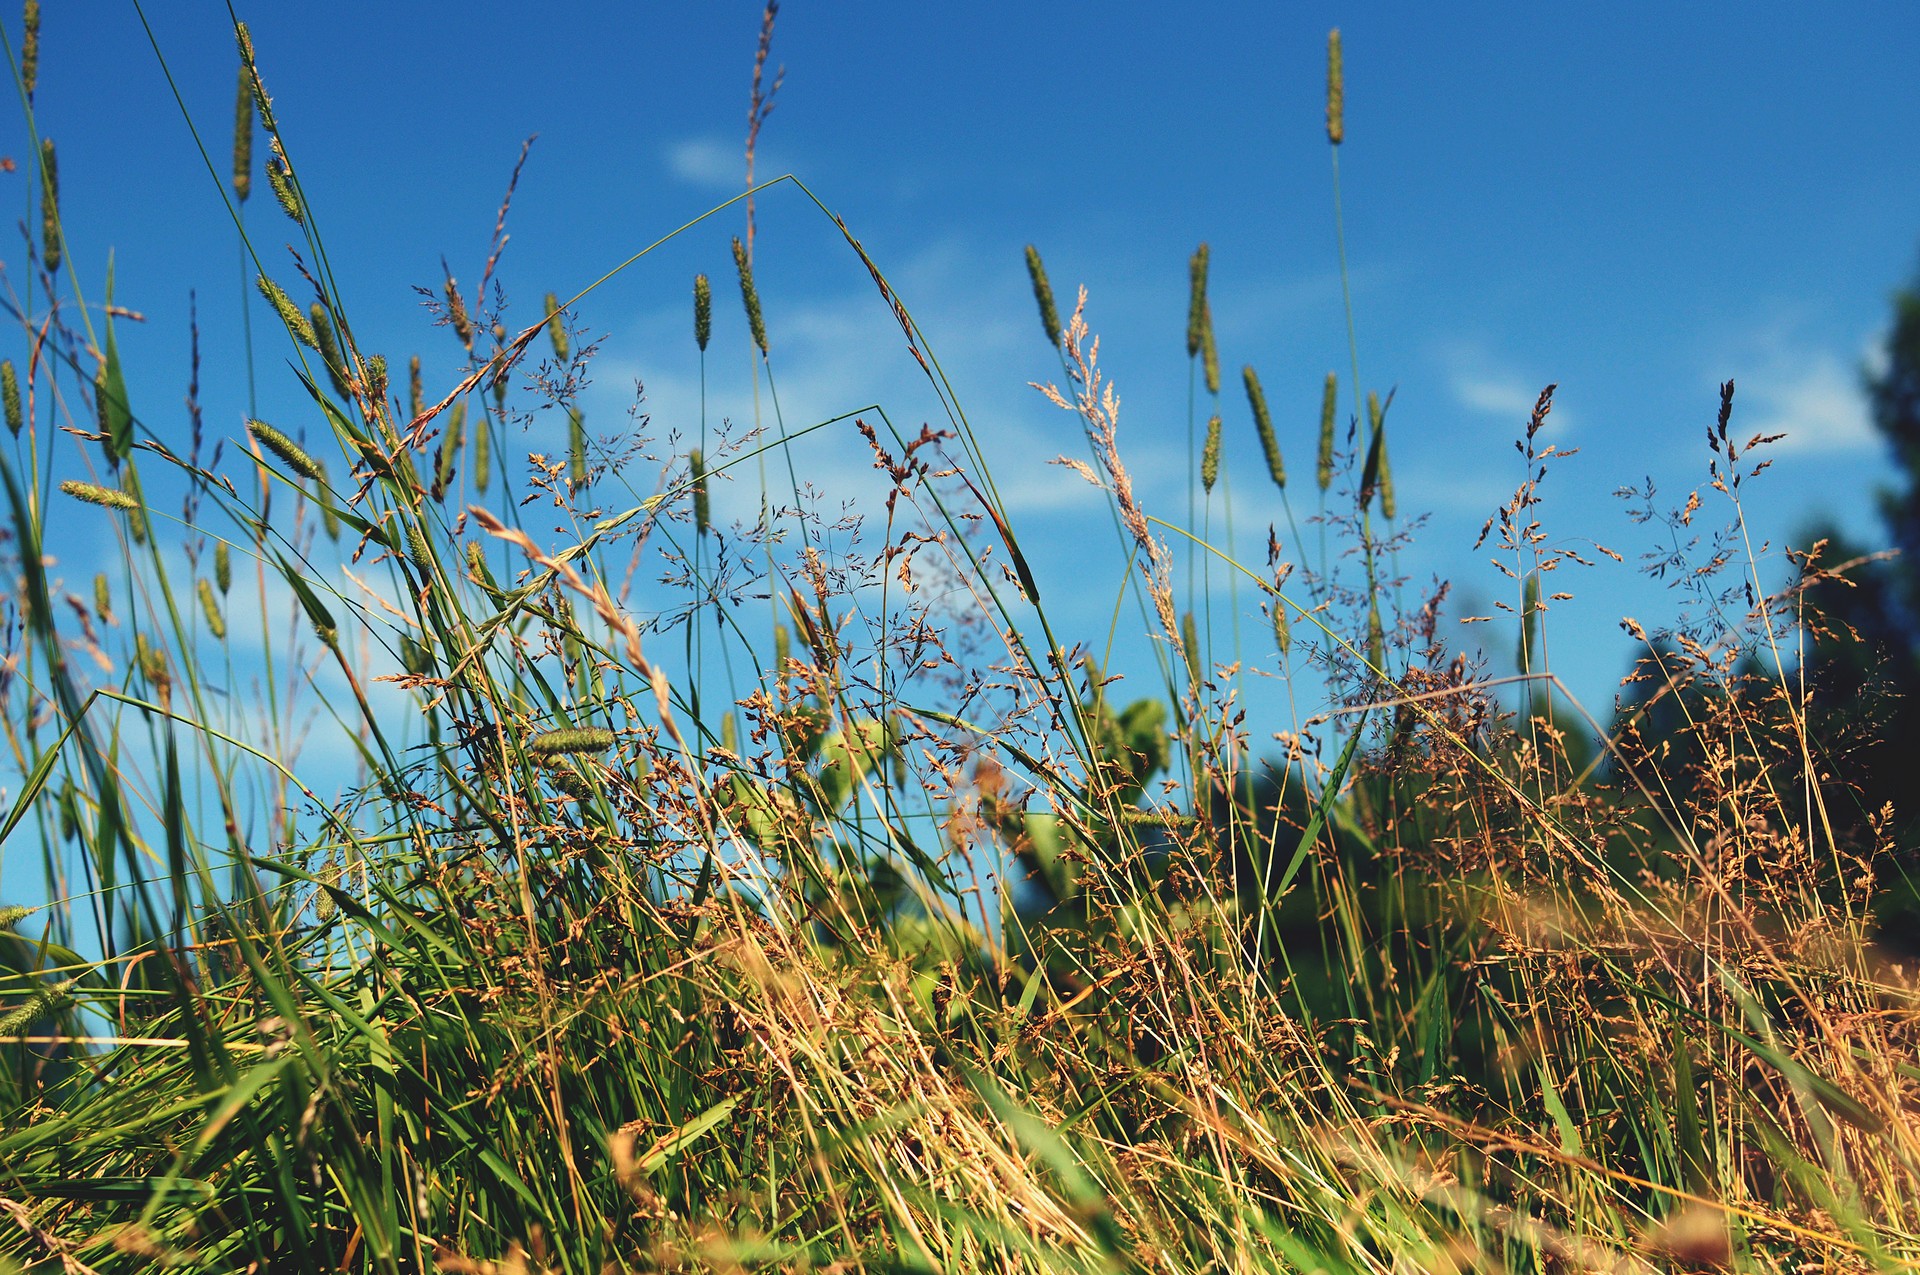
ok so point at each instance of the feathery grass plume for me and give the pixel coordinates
(10, 393)
(1329, 400)
(1377, 415)
(701, 510)
(223, 566)
(102, 598)
(1043, 297)
(576, 446)
(216, 622)
(416, 395)
(12, 916)
(557, 329)
(49, 206)
(1210, 458)
(571, 739)
(457, 313)
(1336, 91)
(30, 49)
(280, 178)
(1190, 640)
(418, 551)
(1263, 423)
(1209, 352)
(243, 139)
(451, 440)
(329, 349)
(1282, 629)
(47, 1000)
(702, 311)
(482, 454)
(95, 494)
(1197, 300)
(290, 453)
(297, 325)
(261, 101)
(750, 296)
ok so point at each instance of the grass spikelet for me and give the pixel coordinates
(102, 598)
(576, 446)
(216, 622)
(1209, 352)
(243, 139)
(1197, 300)
(416, 396)
(12, 916)
(47, 1000)
(702, 311)
(418, 551)
(557, 330)
(1210, 458)
(30, 49)
(1043, 297)
(1263, 423)
(482, 454)
(291, 454)
(702, 512)
(1190, 644)
(329, 349)
(571, 739)
(1282, 629)
(297, 325)
(1329, 400)
(49, 206)
(280, 177)
(261, 101)
(377, 380)
(222, 566)
(1336, 91)
(95, 494)
(750, 297)
(10, 393)
(457, 315)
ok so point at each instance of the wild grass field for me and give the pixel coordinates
(790, 891)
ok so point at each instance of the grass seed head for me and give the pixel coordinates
(702, 311)
(291, 454)
(482, 454)
(1210, 458)
(1328, 402)
(10, 393)
(1377, 415)
(750, 297)
(12, 916)
(702, 512)
(49, 206)
(329, 350)
(571, 739)
(243, 139)
(280, 177)
(1190, 642)
(457, 314)
(377, 380)
(1209, 352)
(416, 395)
(1336, 91)
(222, 566)
(1197, 300)
(1263, 424)
(30, 49)
(557, 330)
(261, 101)
(1282, 628)
(216, 622)
(418, 551)
(1043, 296)
(576, 446)
(102, 598)
(296, 322)
(95, 494)
(47, 1000)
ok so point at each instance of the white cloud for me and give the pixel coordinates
(706, 161)
(1815, 400)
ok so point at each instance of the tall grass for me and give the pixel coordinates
(911, 946)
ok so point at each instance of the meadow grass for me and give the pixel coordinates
(871, 930)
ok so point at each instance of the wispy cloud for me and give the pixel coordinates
(1487, 386)
(1814, 399)
(707, 162)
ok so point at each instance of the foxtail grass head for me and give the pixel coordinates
(10, 394)
(1209, 351)
(1282, 628)
(1043, 297)
(1196, 300)
(296, 323)
(1263, 424)
(30, 49)
(50, 252)
(702, 312)
(557, 330)
(1210, 458)
(750, 296)
(243, 139)
(1336, 91)
(261, 101)
(223, 566)
(702, 511)
(1329, 401)
(95, 494)
(290, 453)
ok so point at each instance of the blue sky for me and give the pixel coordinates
(1634, 201)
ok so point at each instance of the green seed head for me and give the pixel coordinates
(103, 598)
(750, 296)
(1282, 629)
(1190, 640)
(10, 917)
(1336, 91)
(416, 396)
(1377, 415)
(137, 516)
(47, 1000)
(243, 138)
(10, 393)
(261, 101)
(1210, 458)
(1376, 640)
(291, 454)
(571, 739)
(418, 550)
(457, 314)
(1043, 296)
(222, 566)
(329, 350)
(482, 454)
(557, 329)
(701, 510)
(216, 622)
(1197, 300)
(30, 49)
(1329, 400)
(296, 322)
(702, 311)
(280, 177)
(1263, 423)
(49, 206)
(1209, 352)
(377, 380)
(94, 494)
(450, 443)
(576, 446)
